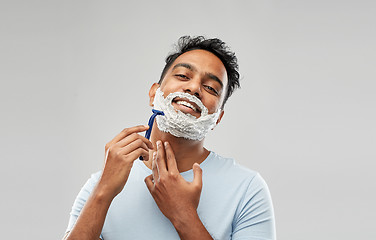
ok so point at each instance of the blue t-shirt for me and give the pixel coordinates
(235, 203)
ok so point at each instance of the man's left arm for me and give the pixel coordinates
(176, 198)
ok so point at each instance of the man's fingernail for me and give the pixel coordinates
(158, 143)
(166, 144)
(154, 155)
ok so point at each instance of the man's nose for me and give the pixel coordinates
(193, 87)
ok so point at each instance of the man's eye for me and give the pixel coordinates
(212, 89)
(181, 76)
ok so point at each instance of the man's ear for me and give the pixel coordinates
(152, 91)
(219, 118)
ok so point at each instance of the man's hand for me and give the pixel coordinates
(121, 152)
(176, 198)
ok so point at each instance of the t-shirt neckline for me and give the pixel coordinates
(203, 164)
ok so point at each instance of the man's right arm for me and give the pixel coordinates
(90, 222)
(121, 152)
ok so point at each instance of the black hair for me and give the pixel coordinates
(215, 46)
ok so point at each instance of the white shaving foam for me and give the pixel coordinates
(182, 124)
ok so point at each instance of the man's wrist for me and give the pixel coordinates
(194, 230)
(102, 195)
(180, 222)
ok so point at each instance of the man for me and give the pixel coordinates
(181, 189)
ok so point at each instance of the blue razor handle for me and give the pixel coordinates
(151, 121)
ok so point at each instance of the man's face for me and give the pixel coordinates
(200, 73)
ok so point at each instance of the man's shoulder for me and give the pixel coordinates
(228, 167)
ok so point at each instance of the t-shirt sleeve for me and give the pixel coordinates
(81, 199)
(254, 218)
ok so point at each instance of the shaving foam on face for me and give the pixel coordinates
(181, 124)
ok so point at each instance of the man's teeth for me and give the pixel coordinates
(187, 104)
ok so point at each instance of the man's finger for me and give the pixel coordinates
(138, 143)
(128, 131)
(137, 153)
(170, 158)
(197, 175)
(149, 182)
(154, 167)
(132, 137)
(161, 158)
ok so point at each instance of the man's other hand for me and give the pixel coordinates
(176, 198)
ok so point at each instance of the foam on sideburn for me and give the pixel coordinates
(182, 124)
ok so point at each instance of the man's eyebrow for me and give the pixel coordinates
(186, 65)
(215, 78)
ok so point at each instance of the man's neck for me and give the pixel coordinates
(187, 152)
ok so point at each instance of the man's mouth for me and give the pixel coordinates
(188, 104)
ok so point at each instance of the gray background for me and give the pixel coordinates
(75, 73)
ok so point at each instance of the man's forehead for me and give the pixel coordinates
(202, 60)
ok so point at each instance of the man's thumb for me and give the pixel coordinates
(197, 174)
